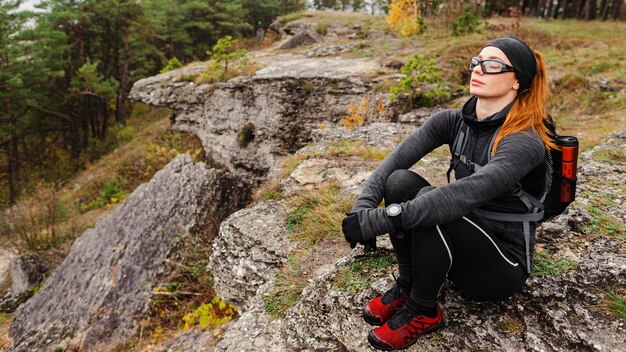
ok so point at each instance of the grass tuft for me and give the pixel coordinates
(363, 271)
(510, 324)
(546, 266)
(603, 223)
(318, 213)
(287, 287)
(617, 304)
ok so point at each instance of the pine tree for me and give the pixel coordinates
(21, 73)
(207, 22)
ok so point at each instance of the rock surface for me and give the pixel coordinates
(558, 312)
(96, 297)
(251, 244)
(245, 123)
(6, 257)
(304, 37)
(26, 272)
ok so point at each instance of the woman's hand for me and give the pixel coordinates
(352, 229)
(353, 234)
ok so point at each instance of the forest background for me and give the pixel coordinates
(66, 68)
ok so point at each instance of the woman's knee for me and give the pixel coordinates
(403, 185)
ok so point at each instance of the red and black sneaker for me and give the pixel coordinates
(403, 330)
(380, 309)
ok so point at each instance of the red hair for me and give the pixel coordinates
(529, 110)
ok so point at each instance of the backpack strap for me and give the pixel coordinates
(458, 147)
(535, 213)
(493, 139)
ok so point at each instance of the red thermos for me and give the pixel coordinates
(569, 152)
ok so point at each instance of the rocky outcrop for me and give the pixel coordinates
(558, 312)
(246, 123)
(96, 297)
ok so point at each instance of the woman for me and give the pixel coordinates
(446, 232)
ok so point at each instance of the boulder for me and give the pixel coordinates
(251, 244)
(304, 37)
(295, 27)
(6, 258)
(327, 50)
(96, 297)
(27, 271)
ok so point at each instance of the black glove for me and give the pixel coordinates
(352, 230)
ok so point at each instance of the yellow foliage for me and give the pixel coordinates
(403, 17)
(357, 115)
(212, 314)
(380, 106)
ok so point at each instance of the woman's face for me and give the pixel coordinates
(499, 85)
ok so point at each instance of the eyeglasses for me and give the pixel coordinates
(491, 67)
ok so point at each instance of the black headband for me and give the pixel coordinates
(521, 56)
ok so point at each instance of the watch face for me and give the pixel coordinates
(393, 210)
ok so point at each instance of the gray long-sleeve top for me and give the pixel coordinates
(516, 155)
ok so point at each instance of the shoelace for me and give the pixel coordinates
(402, 317)
(394, 293)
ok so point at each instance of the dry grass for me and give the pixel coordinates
(5, 324)
(343, 18)
(318, 214)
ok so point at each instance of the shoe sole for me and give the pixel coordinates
(370, 319)
(373, 342)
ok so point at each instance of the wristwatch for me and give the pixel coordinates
(393, 212)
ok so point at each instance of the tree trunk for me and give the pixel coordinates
(12, 167)
(75, 144)
(81, 43)
(566, 4)
(605, 10)
(617, 9)
(84, 124)
(580, 8)
(589, 10)
(525, 4)
(548, 11)
(555, 14)
(105, 117)
(120, 105)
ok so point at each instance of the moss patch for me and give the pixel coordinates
(362, 271)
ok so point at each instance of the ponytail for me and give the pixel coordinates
(529, 110)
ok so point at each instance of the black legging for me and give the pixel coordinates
(463, 250)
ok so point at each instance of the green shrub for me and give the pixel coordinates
(212, 314)
(322, 28)
(469, 22)
(422, 82)
(34, 220)
(222, 54)
(110, 193)
(171, 65)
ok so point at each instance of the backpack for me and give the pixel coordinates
(560, 189)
